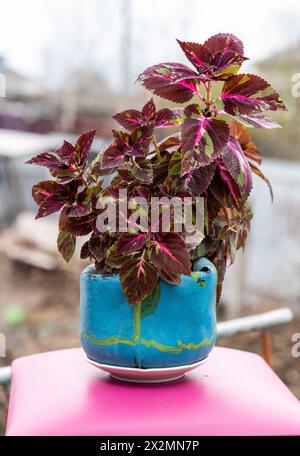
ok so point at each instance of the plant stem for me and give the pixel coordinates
(208, 94)
(156, 147)
(137, 322)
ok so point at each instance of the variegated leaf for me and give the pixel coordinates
(142, 170)
(169, 253)
(258, 120)
(218, 58)
(138, 277)
(238, 167)
(246, 94)
(197, 181)
(50, 196)
(223, 42)
(241, 134)
(66, 243)
(203, 138)
(130, 243)
(83, 147)
(132, 118)
(172, 81)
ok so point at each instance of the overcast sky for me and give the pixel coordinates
(44, 38)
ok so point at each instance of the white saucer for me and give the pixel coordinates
(136, 375)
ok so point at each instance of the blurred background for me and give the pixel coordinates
(68, 66)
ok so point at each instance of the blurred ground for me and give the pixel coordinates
(287, 367)
(41, 312)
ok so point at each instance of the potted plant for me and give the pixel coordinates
(148, 300)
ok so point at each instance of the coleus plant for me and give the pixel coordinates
(210, 155)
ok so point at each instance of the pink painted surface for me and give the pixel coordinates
(234, 393)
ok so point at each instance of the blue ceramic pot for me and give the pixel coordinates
(175, 326)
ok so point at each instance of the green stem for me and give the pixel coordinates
(208, 93)
(156, 147)
(137, 322)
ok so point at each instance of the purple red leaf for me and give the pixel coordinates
(220, 192)
(66, 152)
(248, 94)
(79, 226)
(223, 42)
(172, 81)
(203, 138)
(98, 246)
(46, 159)
(169, 252)
(112, 157)
(218, 58)
(258, 120)
(172, 279)
(241, 134)
(130, 243)
(138, 277)
(238, 167)
(83, 146)
(48, 188)
(131, 118)
(66, 243)
(170, 143)
(197, 182)
(67, 162)
(50, 196)
(127, 145)
(85, 251)
(142, 170)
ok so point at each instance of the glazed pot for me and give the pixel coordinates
(175, 327)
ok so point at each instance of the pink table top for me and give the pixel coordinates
(233, 393)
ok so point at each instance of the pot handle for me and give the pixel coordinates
(206, 268)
